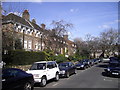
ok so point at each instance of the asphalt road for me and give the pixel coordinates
(89, 78)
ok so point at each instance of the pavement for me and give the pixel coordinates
(89, 78)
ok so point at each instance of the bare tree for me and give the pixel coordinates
(13, 7)
(82, 48)
(108, 41)
(61, 27)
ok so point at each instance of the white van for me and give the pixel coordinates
(44, 71)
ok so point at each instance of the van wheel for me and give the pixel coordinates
(43, 82)
(57, 77)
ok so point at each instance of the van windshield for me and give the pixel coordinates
(38, 66)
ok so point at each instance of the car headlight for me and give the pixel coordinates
(36, 75)
(108, 69)
(82, 65)
(62, 72)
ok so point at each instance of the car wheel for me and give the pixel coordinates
(75, 72)
(84, 67)
(57, 77)
(43, 82)
(27, 86)
(68, 75)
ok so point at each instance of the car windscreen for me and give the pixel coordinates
(11, 72)
(63, 65)
(80, 62)
(38, 66)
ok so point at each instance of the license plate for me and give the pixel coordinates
(115, 73)
(3, 80)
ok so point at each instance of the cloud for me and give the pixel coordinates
(17, 13)
(22, 0)
(74, 10)
(104, 26)
(62, 0)
(113, 22)
(117, 21)
(71, 10)
(108, 24)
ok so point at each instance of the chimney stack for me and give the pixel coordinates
(65, 37)
(26, 15)
(43, 26)
(34, 21)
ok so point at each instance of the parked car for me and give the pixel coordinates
(91, 62)
(112, 59)
(96, 61)
(13, 79)
(44, 71)
(87, 62)
(81, 65)
(113, 69)
(66, 69)
(99, 60)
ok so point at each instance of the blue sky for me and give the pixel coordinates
(86, 17)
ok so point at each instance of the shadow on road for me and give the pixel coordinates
(106, 62)
(102, 65)
(48, 82)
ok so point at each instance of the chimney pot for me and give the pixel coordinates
(26, 15)
(33, 20)
(43, 26)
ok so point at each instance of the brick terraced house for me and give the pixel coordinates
(34, 37)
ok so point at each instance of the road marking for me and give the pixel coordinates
(107, 79)
(55, 84)
(36, 87)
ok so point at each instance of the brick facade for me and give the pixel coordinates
(34, 37)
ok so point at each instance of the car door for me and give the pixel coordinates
(55, 68)
(71, 68)
(12, 80)
(50, 72)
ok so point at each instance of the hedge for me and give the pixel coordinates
(60, 58)
(21, 57)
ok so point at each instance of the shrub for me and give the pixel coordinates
(21, 57)
(60, 58)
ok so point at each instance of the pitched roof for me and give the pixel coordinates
(16, 18)
(21, 20)
(35, 26)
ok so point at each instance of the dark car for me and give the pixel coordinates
(96, 61)
(81, 65)
(91, 62)
(13, 79)
(66, 69)
(113, 59)
(87, 62)
(113, 69)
